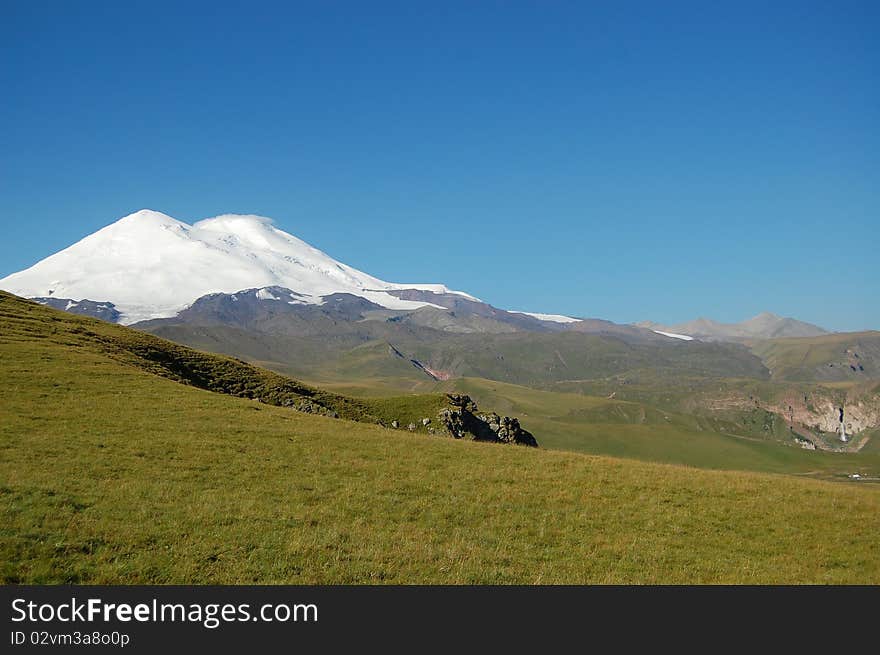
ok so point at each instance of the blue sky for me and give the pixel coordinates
(622, 160)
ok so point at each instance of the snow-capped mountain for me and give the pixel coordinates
(150, 265)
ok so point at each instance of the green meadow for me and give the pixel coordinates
(641, 430)
(116, 467)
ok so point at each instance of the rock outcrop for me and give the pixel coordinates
(307, 407)
(462, 422)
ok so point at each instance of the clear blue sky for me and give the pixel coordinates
(623, 160)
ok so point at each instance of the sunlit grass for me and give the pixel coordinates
(110, 474)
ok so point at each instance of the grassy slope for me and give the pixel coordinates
(639, 430)
(109, 473)
(824, 358)
(360, 349)
(21, 320)
(738, 406)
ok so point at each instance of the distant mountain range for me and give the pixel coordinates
(148, 266)
(762, 326)
(237, 285)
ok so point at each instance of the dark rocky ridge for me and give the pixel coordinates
(104, 310)
(461, 314)
(247, 309)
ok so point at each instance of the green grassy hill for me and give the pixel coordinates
(635, 424)
(707, 393)
(830, 357)
(355, 349)
(114, 472)
(25, 322)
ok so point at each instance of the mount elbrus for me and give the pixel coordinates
(148, 265)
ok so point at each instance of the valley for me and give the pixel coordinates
(727, 389)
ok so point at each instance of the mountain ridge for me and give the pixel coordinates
(765, 325)
(148, 265)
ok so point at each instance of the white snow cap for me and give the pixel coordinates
(151, 265)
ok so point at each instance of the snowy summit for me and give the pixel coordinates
(151, 265)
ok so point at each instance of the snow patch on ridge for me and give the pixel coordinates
(555, 318)
(673, 335)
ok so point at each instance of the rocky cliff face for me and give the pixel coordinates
(822, 412)
(813, 416)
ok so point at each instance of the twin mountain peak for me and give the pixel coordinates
(149, 265)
